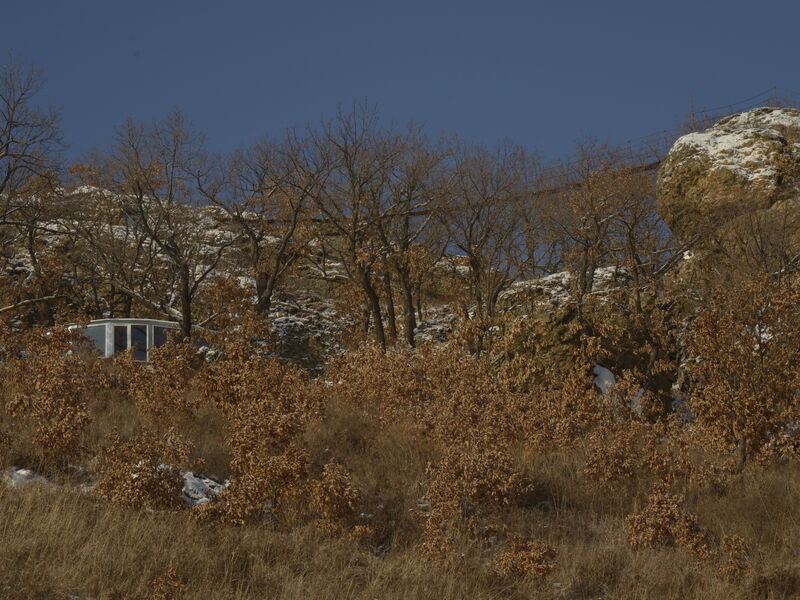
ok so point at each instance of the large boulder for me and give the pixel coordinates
(539, 319)
(744, 165)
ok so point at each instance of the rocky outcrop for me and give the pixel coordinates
(539, 318)
(548, 294)
(744, 165)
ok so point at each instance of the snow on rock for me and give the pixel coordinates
(307, 330)
(454, 264)
(198, 490)
(438, 325)
(16, 477)
(555, 289)
(748, 144)
(603, 379)
(746, 153)
(747, 161)
(434, 330)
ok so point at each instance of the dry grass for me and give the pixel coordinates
(67, 543)
(56, 543)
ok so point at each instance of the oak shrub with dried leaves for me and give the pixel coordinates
(433, 449)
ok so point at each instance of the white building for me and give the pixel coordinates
(110, 336)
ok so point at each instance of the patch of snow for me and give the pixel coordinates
(635, 403)
(17, 477)
(433, 330)
(746, 153)
(603, 379)
(304, 320)
(764, 117)
(556, 288)
(198, 490)
(745, 144)
(454, 264)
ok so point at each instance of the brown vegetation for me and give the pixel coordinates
(410, 467)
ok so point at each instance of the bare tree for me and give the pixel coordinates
(158, 170)
(115, 260)
(751, 243)
(640, 241)
(483, 217)
(30, 142)
(415, 187)
(361, 157)
(602, 213)
(30, 138)
(580, 211)
(265, 193)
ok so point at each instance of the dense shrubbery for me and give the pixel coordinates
(435, 451)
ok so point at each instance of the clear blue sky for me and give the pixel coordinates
(544, 73)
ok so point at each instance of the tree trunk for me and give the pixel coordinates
(264, 288)
(635, 272)
(410, 321)
(390, 311)
(492, 301)
(186, 304)
(127, 305)
(112, 305)
(375, 306)
(741, 455)
(585, 277)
